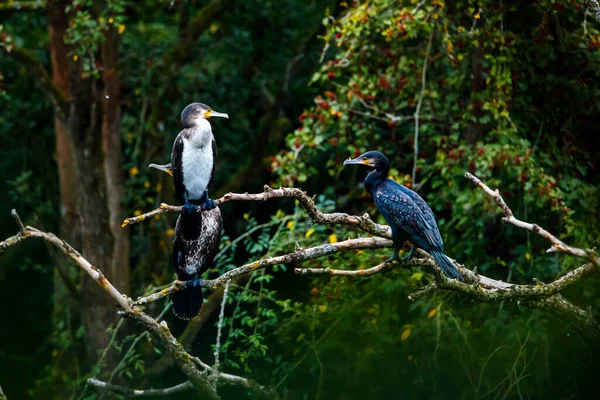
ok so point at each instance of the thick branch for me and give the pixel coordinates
(198, 379)
(301, 255)
(66, 248)
(365, 223)
(140, 393)
(557, 244)
(182, 359)
(228, 379)
(37, 70)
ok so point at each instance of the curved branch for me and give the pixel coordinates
(140, 393)
(364, 223)
(386, 266)
(300, 255)
(557, 244)
(182, 359)
(29, 232)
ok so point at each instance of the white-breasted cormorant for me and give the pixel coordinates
(193, 157)
(407, 214)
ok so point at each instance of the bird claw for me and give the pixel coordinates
(194, 282)
(208, 204)
(189, 208)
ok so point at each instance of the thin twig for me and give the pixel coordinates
(557, 244)
(15, 215)
(221, 316)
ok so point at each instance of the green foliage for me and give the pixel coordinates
(90, 21)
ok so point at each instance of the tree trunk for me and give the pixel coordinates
(93, 125)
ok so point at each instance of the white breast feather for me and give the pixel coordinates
(197, 164)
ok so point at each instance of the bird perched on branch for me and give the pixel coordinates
(193, 157)
(195, 244)
(407, 214)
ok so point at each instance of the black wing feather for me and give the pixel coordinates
(177, 168)
(425, 209)
(398, 208)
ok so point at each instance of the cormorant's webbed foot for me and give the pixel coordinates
(188, 208)
(207, 204)
(409, 256)
(393, 257)
(194, 282)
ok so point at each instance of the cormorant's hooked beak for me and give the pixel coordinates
(211, 113)
(164, 168)
(359, 161)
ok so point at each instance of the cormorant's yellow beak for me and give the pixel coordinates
(211, 113)
(359, 161)
(164, 168)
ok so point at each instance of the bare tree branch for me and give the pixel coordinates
(140, 393)
(198, 379)
(365, 223)
(364, 272)
(557, 244)
(66, 248)
(482, 288)
(228, 379)
(301, 255)
(220, 325)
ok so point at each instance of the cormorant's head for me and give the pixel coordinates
(197, 111)
(373, 159)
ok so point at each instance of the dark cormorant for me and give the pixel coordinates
(407, 214)
(193, 157)
(195, 245)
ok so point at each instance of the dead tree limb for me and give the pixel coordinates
(364, 223)
(199, 379)
(298, 256)
(140, 393)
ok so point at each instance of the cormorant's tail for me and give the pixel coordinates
(187, 302)
(446, 265)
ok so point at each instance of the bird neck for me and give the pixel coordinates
(374, 177)
(200, 134)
